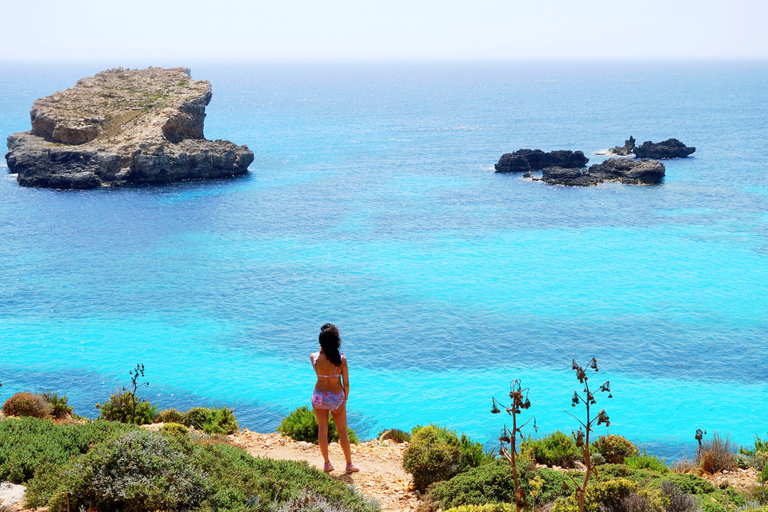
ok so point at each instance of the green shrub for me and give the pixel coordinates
(472, 453)
(138, 472)
(301, 425)
(120, 407)
(44, 485)
(602, 495)
(160, 469)
(614, 448)
(175, 429)
(759, 446)
(26, 404)
(436, 454)
(489, 507)
(59, 407)
(556, 449)
(171, 416)
(220, 420)
(678, 500)
(27, 443)
(195, 417)
(395, 435)
(492, 483)
(430, 459)
(646, 462)
(644, 477)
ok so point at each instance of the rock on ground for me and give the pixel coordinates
(11, 495)
(121, 127)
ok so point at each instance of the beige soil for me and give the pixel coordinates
(381, 473)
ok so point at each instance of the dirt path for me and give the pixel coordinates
(381, 473)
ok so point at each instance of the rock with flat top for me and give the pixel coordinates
(622, 170)
(122, 127)
(670, 148)
(526, 160)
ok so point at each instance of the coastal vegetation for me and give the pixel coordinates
(113, 463)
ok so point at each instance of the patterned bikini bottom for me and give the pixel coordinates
(327, 400)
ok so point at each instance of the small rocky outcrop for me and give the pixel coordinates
(527, 160)
(630, 172)
(121, 127)
(670, 148)
(625, 150)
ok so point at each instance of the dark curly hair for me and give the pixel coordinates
(330, 341)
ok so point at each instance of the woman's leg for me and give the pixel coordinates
(322, 432)
(340, 417)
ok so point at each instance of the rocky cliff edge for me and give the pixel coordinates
(121, 127)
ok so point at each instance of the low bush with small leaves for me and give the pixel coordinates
(170, 416)
(556, 449)
(27, 405)
(59, 407)
(140, 472)
(490, 507)
(603, 495)
(220, 420)
(437, 454)
(646, 462)
(491, 483)
(135, 470)
(124, 407)
(301, 425)
(395, 435)
(175, 429)
(28, 443)
(614, 448)
(678, 499)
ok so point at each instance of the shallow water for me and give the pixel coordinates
(373, 204)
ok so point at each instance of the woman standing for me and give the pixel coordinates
(331, 393)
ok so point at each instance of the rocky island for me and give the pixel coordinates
(670, 148)
(122, 127)
(526, 160)
(622, 170)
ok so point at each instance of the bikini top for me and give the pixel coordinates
(335, 370)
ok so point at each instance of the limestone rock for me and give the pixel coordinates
(526, 160)
(625, 150)
(120, 127)
(670, 148)
(630, 172)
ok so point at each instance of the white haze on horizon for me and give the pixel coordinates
(385, 29)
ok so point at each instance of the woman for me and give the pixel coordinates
(331, 393)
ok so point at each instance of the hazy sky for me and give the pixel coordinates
(481, 29)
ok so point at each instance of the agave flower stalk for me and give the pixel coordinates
(520, 401)
(582, 436)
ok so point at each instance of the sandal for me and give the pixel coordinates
(351, 468)
(327, 467)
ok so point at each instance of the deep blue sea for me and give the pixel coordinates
(372, 204)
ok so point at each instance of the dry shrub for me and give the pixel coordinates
(26, 404)
(717, 454)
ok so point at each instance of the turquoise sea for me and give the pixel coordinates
(372, 204)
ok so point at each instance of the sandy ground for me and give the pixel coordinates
(381, 473)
